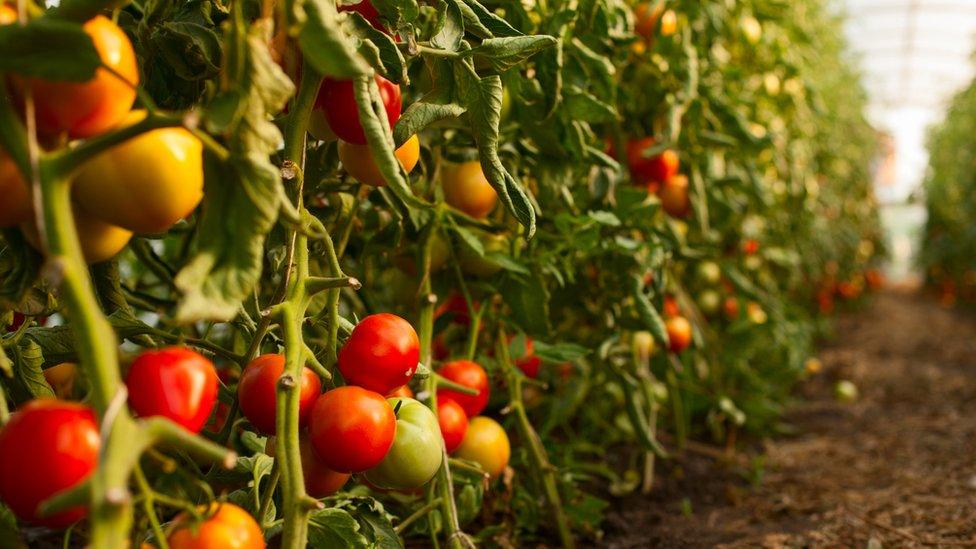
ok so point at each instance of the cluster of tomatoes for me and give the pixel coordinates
(143, 185)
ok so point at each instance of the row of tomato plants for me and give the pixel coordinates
(390, 270)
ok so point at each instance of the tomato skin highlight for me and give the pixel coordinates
(679, 333)
(47, 446)
(381, 354)
(469, 374)
(15, 208)
(487, 444)
(145, 184)
(467, 189)
(359, 163)
(351, 429)
(417, 451)
(86, 109)
(174, 383)
(228, 527)
(453, 423)
(258, 397)
(337, 99)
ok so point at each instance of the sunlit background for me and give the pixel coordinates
(915, 55)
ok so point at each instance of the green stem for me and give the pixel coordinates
(149, 507)
(268, 496)
(417, 515)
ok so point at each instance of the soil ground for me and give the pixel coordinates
(896, 468)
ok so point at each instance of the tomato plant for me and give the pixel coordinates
(352, 429)
(258, 395)
(175, 383)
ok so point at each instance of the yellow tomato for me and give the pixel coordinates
(358, 160)
(85, 109)
(62, 378)
(467, 189)
(145, 184)
(485, 443)
(669, 23)
(7, 14)
(15, 205)
(99, 240)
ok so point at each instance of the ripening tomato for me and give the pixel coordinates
(99, 240)
(650, 170)
(358, 160)
(403, 391)
(381, 354)
(351, 429)
(469, 374)
(453, 423)
(89, 108)
(529, 363)
(338, 100)
(457, 307)
(679, 333)
(7, 14)
(486, 443)
(62, 378)
(874, 278)
(669, 23)
(320, 480)
(467, 189)
(671, 307)
(145, 184)
(226, 526)
(731, 307)
(674, 196)
(417, 451)
(647, 15)
(258, 396)
(47, 446)
(750, 246)
(174, 383)
(15, 208)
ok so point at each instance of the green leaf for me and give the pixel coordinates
(421, 114)
(382, 51)
(649, 316)
(450, 27)
(29, 372)
(559, 352)
(529, 301)
(501, 54)
(468, 238)
(335, 528)
(483, 22)
(191, 50)
(586, 107)
(325, 46)
(48, 48)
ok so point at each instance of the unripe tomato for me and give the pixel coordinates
(47, 446)
(417, 451)
(654, 170)
(62, 379)
(453, 423)
(710, 302)
(529, 363)
(679, 333)
(15, 208)
(258, 396)
(467, 189)
(145, 184)
(351, 429)
(469, 374)
(98, 105)
(473, 264)
(751, 28)
(226, 526)
(99, 240)
(358, 160)
(175, 383)
(709, 272)
(381, 354)
(337, 99)
(404, 391)
(642, 344)
(674, 196)
(320, 480)
(486, 443)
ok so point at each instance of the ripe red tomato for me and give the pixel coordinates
(674, 196)
(469, 374)
(337, 99)
(368, 11)
(750, 246)
(47, 446)
(654, 170)
(381, 354)
(258, 397)
(320, 480)
(457, 307)
(671, 307)
(175, 383)
(529, 363)
(226, 526)
(89, 108)
(486, 443)
(417, 451)
(731, 307)
(679, 333)
(467, 189)
(453, 423)
(351, 429)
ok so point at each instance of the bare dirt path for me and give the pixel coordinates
(897, 468)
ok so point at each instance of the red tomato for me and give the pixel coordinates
(175, 383)
(337, 99)
(381, 354)
(453, 422)
(731, 307)
(469, 374)
(654, 170)
(674, 196)
(457, 307)
(750, 246)
(320, 480)
(47, 446)
(351, 429)
(529, 363)
(368, 11)
(228, 526)
(679, 333)
(85, 109)
(403, 391)
(671, 307)
(258, 397)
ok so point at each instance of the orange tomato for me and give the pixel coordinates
(486, 443)
(89, 108)
(15, 208)
(358, 160)
(7, 14)
(227, 526)
(679, 333)
(99, 240)
(674, 196)
(467, 189)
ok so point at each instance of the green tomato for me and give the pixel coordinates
(417, 451)
(484, 267)
(709, 272)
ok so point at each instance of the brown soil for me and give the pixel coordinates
(896, 468)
